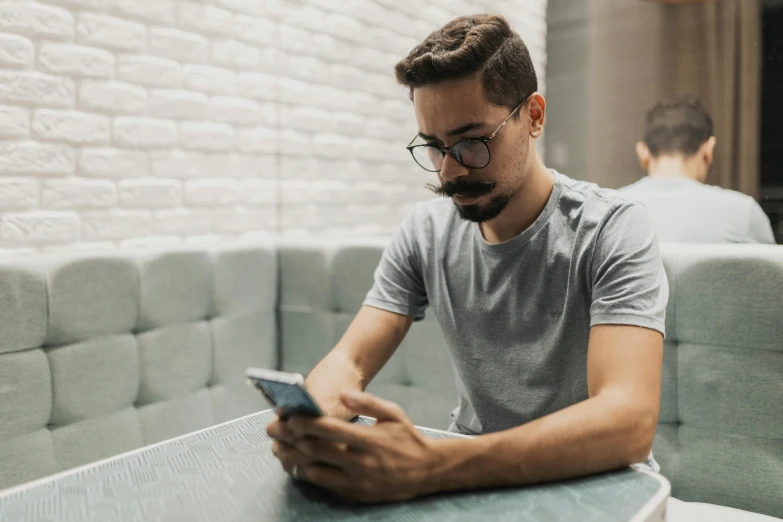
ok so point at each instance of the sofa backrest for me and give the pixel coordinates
(104, 353)
(720, 434)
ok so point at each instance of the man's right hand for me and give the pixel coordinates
(285, 443)
(369, 342)
(284, 440)
(332, 407)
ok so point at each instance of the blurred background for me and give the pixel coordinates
(129, 123)
(610, 60)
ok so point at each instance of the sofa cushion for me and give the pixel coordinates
(93, 378)
(730, 296)
(731, 391)
(91, 296)
(741, 472)
(23, 312)
(96, 438)
(167, 419)
(25, 393)
(351, 273)
(176, 287)
(245, 279)
(175, 360)
(306, 311)
(26, 457)
(669, 412)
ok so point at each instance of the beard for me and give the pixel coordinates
(475, 212)
(479, 214)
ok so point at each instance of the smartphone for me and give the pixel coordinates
(284, 391)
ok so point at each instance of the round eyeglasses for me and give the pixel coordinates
(472, 153)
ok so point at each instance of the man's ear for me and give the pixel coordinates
(707, 150)
(643, 153)
(536, 111)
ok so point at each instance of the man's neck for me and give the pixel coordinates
(674, 167)
(523, 209)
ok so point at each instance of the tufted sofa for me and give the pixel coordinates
(102, 353)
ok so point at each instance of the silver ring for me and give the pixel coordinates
(295, 471)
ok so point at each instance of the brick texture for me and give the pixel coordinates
(128, 123)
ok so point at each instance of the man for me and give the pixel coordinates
(677, 153)
(550, 293)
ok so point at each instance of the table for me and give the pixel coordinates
(228, 473)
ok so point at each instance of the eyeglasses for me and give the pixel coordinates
(472, 153)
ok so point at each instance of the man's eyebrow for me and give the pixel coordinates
(455, 132)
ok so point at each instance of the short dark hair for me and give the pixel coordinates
(480, 44)
(679, 125)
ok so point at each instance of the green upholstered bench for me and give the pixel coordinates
(102, 353)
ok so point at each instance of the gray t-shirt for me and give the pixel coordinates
(516, 316)
(685, 210)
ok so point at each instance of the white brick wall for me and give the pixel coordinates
(126, 122)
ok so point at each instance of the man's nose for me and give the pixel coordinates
(452, 169)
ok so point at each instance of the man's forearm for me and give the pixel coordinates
(596, 435)
(365, 347)
(334, 374)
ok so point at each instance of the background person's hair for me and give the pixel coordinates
(479, 44)
(679, 125)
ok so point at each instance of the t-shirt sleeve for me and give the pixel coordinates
(629, 283)
(398, 284)
(759, 228)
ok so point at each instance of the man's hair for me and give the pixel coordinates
(679, 125)
(479, 44)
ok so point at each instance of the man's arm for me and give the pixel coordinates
(613, 428)
(397, 297)
(367, 345)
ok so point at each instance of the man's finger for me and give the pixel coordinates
(329, 478)
(280, 430)
(372, 406)
(333, 453)
(290, 456)
(333, 429)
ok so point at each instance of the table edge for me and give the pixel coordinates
(653, 503)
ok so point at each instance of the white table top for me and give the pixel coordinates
(228, 473)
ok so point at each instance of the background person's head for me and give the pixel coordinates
(465, 79)
(678, 139)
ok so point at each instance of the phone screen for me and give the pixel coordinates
(290, 399)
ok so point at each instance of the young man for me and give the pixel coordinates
(550, 293)
(677, 154)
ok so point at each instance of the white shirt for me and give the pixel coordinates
(685, 210)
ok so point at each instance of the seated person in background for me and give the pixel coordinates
(677, 154)
(550, 294)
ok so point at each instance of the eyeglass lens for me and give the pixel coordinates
(472, 154)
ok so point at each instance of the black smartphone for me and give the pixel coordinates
(284, 391)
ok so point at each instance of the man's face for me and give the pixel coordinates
(453, 110)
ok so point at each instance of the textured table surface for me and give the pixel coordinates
(228, 473)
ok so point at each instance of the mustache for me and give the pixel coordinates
(470, 189)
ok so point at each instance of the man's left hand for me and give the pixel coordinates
(390, 461)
